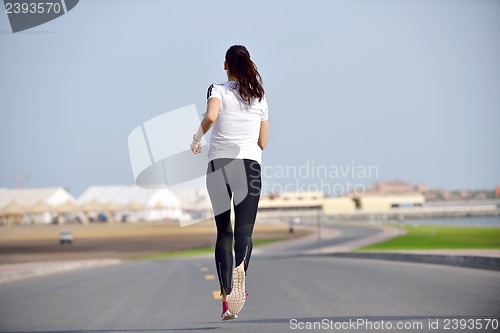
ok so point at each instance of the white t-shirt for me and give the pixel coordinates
(235, 132)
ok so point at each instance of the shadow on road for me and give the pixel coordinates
(367, 318)
(271, 321)
(127, 330)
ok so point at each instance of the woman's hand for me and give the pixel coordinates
(195, 146)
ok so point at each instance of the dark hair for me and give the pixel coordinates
(244, 70)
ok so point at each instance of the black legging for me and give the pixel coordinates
(240, 180)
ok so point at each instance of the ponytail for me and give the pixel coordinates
(244, 70)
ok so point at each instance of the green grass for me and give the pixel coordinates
(439, 237)
(197, 251)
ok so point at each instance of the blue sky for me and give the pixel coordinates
(410, 87)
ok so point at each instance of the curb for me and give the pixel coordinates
(14, 272)
(481, 262)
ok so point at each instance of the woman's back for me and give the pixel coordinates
(235, 133)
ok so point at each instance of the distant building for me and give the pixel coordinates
(33, 205)
(339, 205)
(395, 187)
(388, 203)
(195, 202)
(388, 196)
(130, 203)
(96, 204)
(291, 201)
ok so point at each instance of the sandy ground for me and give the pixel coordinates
(41, 243)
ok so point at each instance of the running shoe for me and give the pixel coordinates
(226, 314)
(236, 299)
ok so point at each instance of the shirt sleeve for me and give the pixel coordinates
(213, 92)
(265, 115)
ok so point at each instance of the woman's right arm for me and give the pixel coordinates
(213, 106)
(264, 129)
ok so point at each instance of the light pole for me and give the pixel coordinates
(20, 178)
(318, 217)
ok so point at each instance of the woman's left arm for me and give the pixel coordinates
(213, 106)
(264, 130)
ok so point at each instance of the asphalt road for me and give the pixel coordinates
(286, 292)
(347, 233)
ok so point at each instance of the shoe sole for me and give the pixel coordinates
(236, 299)
(230, 316)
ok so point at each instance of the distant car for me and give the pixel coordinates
(65, 236)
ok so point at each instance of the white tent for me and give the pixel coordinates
(29, 202)
(195, 202)
(125, 203)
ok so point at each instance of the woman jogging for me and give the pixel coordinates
(237, 110)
